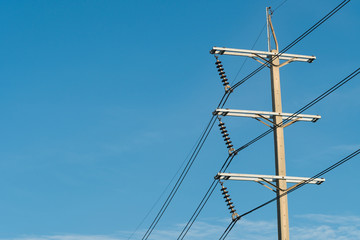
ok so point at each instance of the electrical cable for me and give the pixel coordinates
(316, 25)
(301, 110)
(222, 103)
(279, 6)
(166, 188)
(293, 43)
(202, 203)
(245, 60)
(231, 157)
(198, 210)
(225, 96)
(257, 39)
(181, 178)
(229, 228)
(332, 167)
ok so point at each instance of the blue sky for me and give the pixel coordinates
(102, 101)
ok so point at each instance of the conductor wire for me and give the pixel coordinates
(332, 167)
(230, 158)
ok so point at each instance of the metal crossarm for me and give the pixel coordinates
(261, 54)
(266, 115)
(268, 178)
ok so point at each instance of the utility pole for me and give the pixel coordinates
(279, 145)
(274, 119)
(280, 166)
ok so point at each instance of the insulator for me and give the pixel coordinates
(222, 75)
(218, 63)
(226, 137)
(230, 205)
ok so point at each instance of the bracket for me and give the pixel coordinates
(267, 116)
(262, 54)
(268, 179)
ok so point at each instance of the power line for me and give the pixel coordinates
(229, 160)
(245, 60)
(222, 103)
(257, 39)
(332, 167)
(279, 6)
(181, 178)
(301, 110)
(229, 228)
(198, 210)
(293, 43)
(166, 188)
(226, 95)
(202, 204)
(231, 157)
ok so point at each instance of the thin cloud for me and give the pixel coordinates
(347, 147)
(65, 237)
(308, 227)
(333, 219)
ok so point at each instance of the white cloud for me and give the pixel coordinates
(306, 227)
(64, 237)
(327, 227)
(334, 219)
